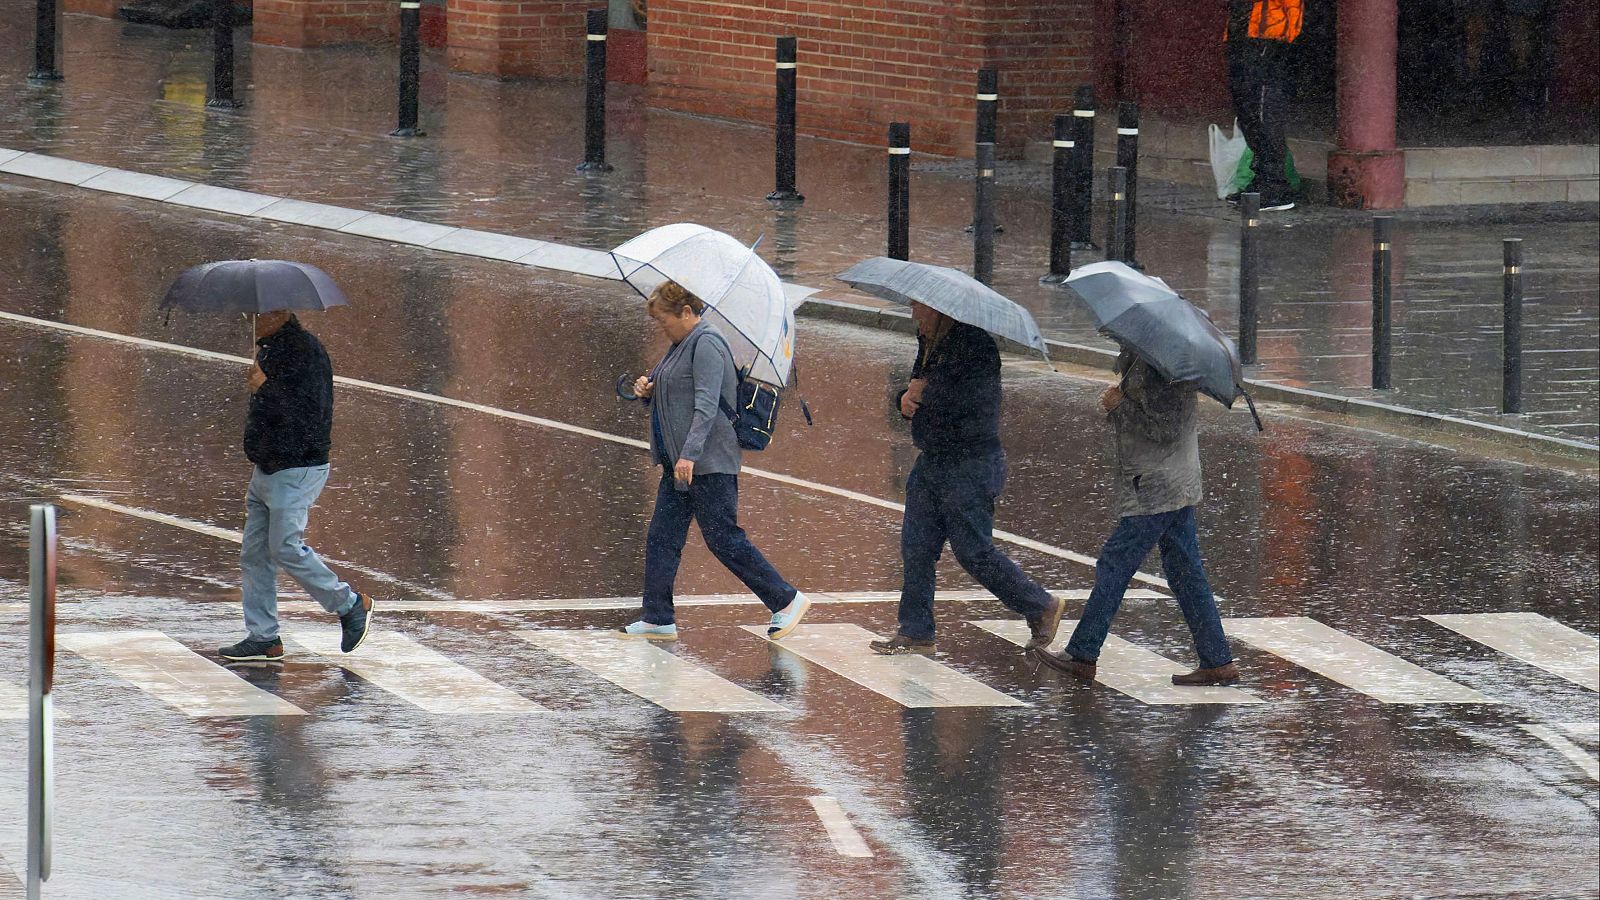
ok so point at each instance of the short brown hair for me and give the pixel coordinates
(672, 298)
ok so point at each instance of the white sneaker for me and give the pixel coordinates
(650, 632)
(787, 619)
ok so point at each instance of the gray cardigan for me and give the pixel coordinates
(696, 372)
(1158, 451)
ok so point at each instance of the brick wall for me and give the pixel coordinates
(318, 23)
(518, 38)
(865, 64)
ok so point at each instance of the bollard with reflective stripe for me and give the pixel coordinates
(988, 103)
(1117, 224)
(1249, 275)
(899, 190)
(594, 77)
(222, 56)
(1082, 204)
(983, 216)
(410, 68)
(784, 190)
(1511, 338)
(1382, 299)
(41, 678)
(1128, 158)
(45, 28)
(1060, 200)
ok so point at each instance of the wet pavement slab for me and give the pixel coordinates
(495, 739)
(499, 158)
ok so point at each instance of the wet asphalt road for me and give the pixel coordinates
(1084, 792)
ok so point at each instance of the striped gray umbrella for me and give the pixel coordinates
(956, 294)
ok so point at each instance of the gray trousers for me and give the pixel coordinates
(276, 508)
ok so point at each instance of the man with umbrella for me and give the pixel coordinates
(287, 437)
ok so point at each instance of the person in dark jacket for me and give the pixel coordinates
(287, 437)
(1158, 486)
(953, 403)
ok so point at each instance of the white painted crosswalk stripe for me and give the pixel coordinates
(1129, 669)
(176, 675)
(846, 839)
(417, 674)
(1580, 757)
(909, 680)
(13, 701)
(1339, 657)
(1534, 639)
(654, 673)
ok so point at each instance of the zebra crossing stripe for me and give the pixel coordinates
(1339, 657)
(847, 841)
(651, 672)
(1535, 640)
(1580, 757)
(1127, 668)
(911, 680)
(562, 604)
(417, 674)
(13, 701)
(176, 675)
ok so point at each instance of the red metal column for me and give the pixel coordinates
(1366, 171)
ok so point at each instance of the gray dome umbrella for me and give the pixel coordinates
(954, 293)
(252, 286)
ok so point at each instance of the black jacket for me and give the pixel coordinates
(960, 412)
(291, 415)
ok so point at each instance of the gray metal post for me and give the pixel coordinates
(1249, 275)
(1117, 226)
(41, 674)
(983, 216)
(1382, 299)
(1511, 340)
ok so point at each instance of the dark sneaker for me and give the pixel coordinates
(900, 644)
(1227, 674)
(1061, 662)
(1276, 202)
(356, 624)
(1044, 626)
(252, 651)
(1233, 198)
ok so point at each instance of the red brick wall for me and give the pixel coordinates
(318, 23)
(518, 38)
(865, 64)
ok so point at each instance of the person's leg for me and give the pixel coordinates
(291, 494)
(1186, 575)
(1119, 560)
(921, 542)
(663, 550)
(715, 499)
(967, 505)
(259, 581)
(1272, 156)
(1244, 86)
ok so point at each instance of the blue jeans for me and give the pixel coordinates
(276, 508)
(1127, 547)
(713, 501)
(953, 500)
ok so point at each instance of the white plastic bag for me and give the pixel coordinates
(1225, 155)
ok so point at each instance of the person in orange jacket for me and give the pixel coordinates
(1258, 39)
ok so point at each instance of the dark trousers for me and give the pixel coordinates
(713, 501)
(1127, 547)
(953, 500)
(1258, 77)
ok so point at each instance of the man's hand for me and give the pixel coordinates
(257, 378)
(911, 401)
(684, 471)
(1111, 398)
(643, 387)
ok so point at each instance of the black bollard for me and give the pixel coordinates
(983, 216)
(1060, 200)
(222, 56)
(784, 190)
(1382, 298)
(410, 67)
(594, 76)
(1082, 204)
(988, 104)
(899, 190)
(1249, 275)
(1511, 339)
(44, 42)
(1117, 214)
(1128, 158)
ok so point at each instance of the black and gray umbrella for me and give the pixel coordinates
(1153, 320)
(956, 294)
(252, 286)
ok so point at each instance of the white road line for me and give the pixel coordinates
(910, 680)
(1534, 639)
(419, 675)
(1580, 757)
(1581, 729)
(13, 701)
(176, 675)
(1339, 657)
(560, 604)
(846, 839)
(651, 672)
(555, 425)
(1130, 669)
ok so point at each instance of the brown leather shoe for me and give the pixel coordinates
(1045, 626)
(1061, 662)
(900, 644)
(1227, 674)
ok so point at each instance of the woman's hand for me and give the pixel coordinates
(257, 378)
(684, 471)
(911, 401)
(643, 387)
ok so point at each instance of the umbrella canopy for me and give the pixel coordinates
(743, 296)
(956, 294)
(253, 286)
(1172, 335)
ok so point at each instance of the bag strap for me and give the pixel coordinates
(727, 408)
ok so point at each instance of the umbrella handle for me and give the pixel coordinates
(1252, 404)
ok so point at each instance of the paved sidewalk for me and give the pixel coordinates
(500, 156)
